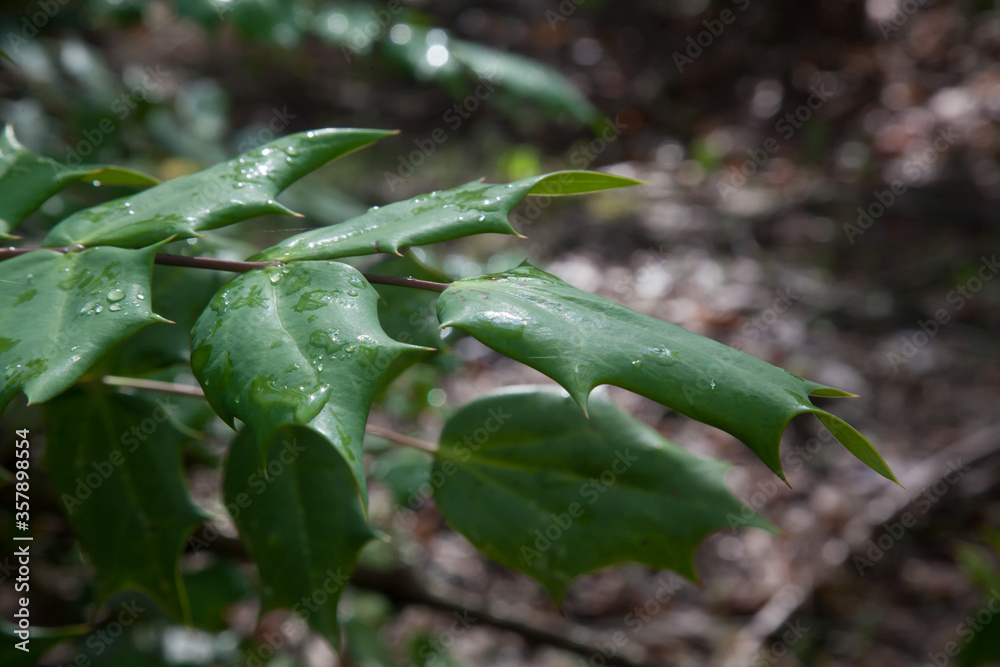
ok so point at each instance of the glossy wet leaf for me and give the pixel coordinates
(226, 193)
(296, 344)
(301, 519)
(582, 341)
(539, 487)
(27, 179)
(473, 208)
(115, 463)
(60, 312)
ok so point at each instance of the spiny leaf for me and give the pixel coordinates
(565, 495)
(115, 462)
(301, 519)
(582, 341)
(221, 195)
(61, 312)
(296, 344)
(473, 208)
(27, 180)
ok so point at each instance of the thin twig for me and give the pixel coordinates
(790, 597)
(401, 439)
(194, 390)
(401, 587)
(239, 267)
(153, 385)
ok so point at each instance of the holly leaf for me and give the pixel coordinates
(226, 193)
(566, 495)
(473, 208)
(581, 341)
(301, 519)
(63, 311)
(296, 344)
(115, 463)
(27, 179)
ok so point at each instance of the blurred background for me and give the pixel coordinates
(823, 193)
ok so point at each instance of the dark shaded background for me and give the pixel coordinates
(899, 306)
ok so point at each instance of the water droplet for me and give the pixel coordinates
(637, 364)
(114, 307)
(98, 309)
(267, 151)
(352, 292)
(292, 150)
(275, 277)
(481, 218)
(319, 368)
(140, 297)
(239, 184)
(660, 355)
(116, 295)
(713, 384)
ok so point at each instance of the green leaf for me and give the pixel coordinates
(115, 463)
(227, 193)
(301, 519)
(61, 312)
(582, 341)
(27, 180)
(525, 78)
(212, 591)
(296, 344)
(473, 208)
(540, 488)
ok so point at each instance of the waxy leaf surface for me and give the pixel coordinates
(115, 462)
(582, 340)
(296, 344)
(60, 312)
(473, 208)
(540, 488)
(27, 180)
(226, 193)
(301, 519)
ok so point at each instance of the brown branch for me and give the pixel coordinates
(238, 267)
(402, 588)
(401, 439)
